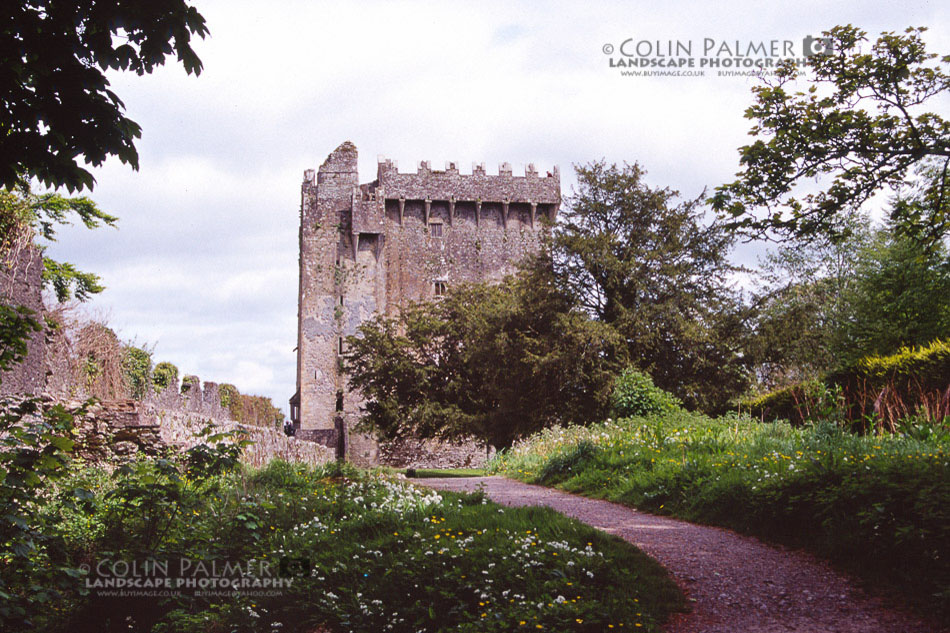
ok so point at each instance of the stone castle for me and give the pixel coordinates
(370, 248)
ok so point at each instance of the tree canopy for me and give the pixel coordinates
(858, 127)
(57, 110)
(655, 270)
(495, 362)
(800, 304)
(900, 297)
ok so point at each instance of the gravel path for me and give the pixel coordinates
(736, 583)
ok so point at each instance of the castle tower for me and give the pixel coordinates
(404, 237)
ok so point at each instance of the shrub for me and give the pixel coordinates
(635, 394)
(794, 403)
(189, 383)
(35, 447)
(163, 375)
(913, 382)
(137, 365)
(883, 390)
(230, 398)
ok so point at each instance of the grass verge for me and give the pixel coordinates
(877, 505)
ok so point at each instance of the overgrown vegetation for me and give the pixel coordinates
(874, 393)
(250, 410)
(353, 551)
(165, 375)
(878, 505)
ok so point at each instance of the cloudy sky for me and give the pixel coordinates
(203, 266)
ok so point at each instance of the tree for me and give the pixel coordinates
(56, 107)
(800, 304)
(900, 298)
(858, 129)
(496, 362)
(648, 266)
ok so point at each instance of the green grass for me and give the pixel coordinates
(877, 505)
(423, 473)
(382, 555)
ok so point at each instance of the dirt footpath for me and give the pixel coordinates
(735, 583)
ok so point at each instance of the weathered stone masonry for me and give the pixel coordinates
(404, 237)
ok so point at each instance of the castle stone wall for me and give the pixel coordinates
(21, 284)
(371, 248)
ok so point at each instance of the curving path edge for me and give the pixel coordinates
(735, 583)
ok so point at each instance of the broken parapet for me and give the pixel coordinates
(204, 400)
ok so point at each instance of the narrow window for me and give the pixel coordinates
(339, 400)
(440, 288)
(341, 344)
(435, 229)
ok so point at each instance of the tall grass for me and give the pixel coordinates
(877, 504)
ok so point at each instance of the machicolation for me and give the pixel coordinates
(370, 248)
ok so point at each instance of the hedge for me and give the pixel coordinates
(878, 389)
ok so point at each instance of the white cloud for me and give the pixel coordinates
(205, 262)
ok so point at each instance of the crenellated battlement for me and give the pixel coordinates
(479, 186)
(373, 247)
(425, 166)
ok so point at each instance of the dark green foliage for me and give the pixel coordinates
(877, 505)
(657, 272)
(137, 366)
(635, 394)
(900, 297)
(859, 128)
(164, 375)
(58, 111)
(491, 361)
(35, 445)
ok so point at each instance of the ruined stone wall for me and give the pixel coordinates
(21, 284)
(371, 248)
(415, 453)
(200, 399)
